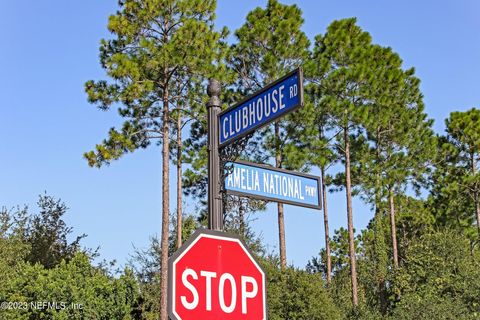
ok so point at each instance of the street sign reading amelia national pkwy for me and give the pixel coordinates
(259, 109)
(214, 276)
(273, 184)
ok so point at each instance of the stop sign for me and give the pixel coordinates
(214, 276)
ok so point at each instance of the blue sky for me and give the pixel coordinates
(50, 48)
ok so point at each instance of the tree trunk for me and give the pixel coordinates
(393, 229)
(380, 250)
(325, 222)
(165, 209)
(179, 181)
(477, 208)
(351, 236)
(475, 196)
(241, 217)
(281, 219)
(281, 236)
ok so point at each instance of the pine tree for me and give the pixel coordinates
(180, 114)
(47, 234)
(341, 60)
(157, 47)
(363, 91)
(401, 145)
(191, 111)
(457, 172)
(451, 207)
(270, 44)
(400, 135)
(179, 179)
(313, 131)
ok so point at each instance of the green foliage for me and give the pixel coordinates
(38, 265)
(270, 44)
(46, 234)
(360, 86)
(238, 220)
(340, 288)
(160, 50)
(146, 266)
(437, 279)
(463, 130)
(40, 238)
(189, 225)
(440, 270)
(145, 263)
(296, 294)
(341, 61)
(196, 155)
(414, 219)
(427, 306)
(75, 290)
(456, 184)
(13, 249)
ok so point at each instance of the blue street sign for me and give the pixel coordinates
(262, 107)
(273, 184)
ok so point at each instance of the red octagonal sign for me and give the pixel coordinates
(214, 276)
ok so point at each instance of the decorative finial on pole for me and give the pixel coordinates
(215, 212)
(213, 91)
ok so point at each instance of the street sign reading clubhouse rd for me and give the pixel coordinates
(273, 184)
(259, 109)
(214, 276)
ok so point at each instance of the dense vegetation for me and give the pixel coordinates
(363, 126)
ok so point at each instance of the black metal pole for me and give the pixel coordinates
(215, 212)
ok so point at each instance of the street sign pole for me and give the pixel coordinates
(215, 212)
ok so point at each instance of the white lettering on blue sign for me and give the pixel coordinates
(260, 109)
(283, 186)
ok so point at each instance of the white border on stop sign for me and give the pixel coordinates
(213, 234)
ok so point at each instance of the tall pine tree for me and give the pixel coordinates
(374, 109)
(157, 46)
(321, 153)
(341, 60)
(270, 44)
(400, 143)
(457, 180)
